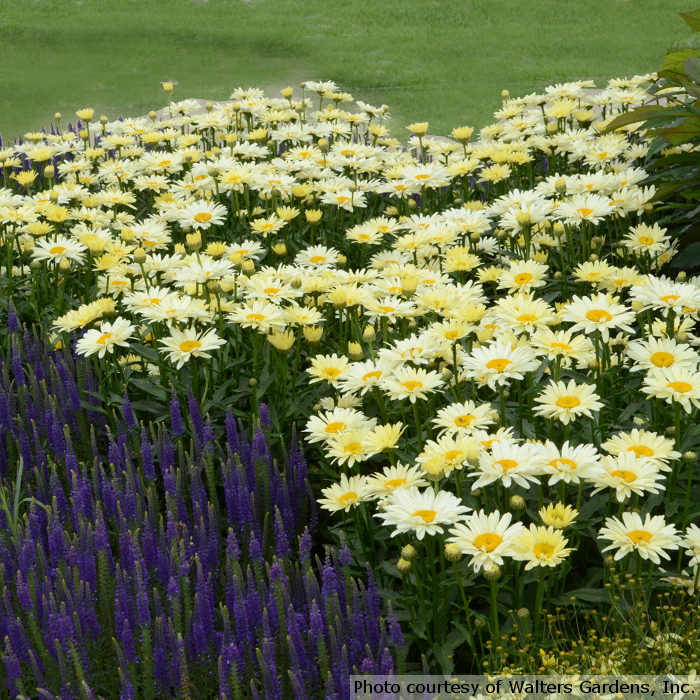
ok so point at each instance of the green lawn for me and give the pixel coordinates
(445, 61)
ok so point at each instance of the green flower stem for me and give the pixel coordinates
(538, 603)
(495, 630)
(419, 427)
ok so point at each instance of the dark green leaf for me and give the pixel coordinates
(688, 258)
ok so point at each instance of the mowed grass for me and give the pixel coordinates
(445, 61)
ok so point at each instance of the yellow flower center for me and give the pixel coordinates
(584, 211)
(522, 278)
(154, 300)
(451, 335)
(506, 464)
(256, 317)
(488, 541)
(347, 497)
(413, 385)
(543, 550)
(451, 455)
(662, 359)
(318, 259)
(680, 387)
(598, 315)
(527, 318)
(646, 240)
(335, 427)
(499, 364)
(353, 448)
(342, 200)
(271, 290)
(57, 250)
(394, 483)
(387, 309)
(461, 421)
(561, 346)
(567, 402)
(102, 340)
(422, 176)
(190, 345)
(639, 536)
(629, 477)
(331, 372)
(372, 375)
(427, 515)
(556, 463)
(641, 450)
(202, 217)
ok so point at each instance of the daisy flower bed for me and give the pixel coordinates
(493, 369)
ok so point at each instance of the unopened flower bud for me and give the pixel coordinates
(552, 128)
(323, 144)
(505, 94)
(404, 566)
(681, 276)
(248, 268)
(49, 171)
(139, 256)
(280, 249)
(609, 560)
(517, 502)
(355, 351)
(475, 236)
(253, 381)
(523, 218)
(493, 574)
(637, 306)
(453, 552)
(681, 337)
(412, 204)
(369, 335)
(64, 265)
(409, 552)
(523, 613)
(558, 229)
(558, 275)
(342, 261)
(690, 457)
(671, 430)
(313, 334)
(213, 286)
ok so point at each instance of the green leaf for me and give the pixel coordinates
(587, 595)
(692, 69)
(150, 388)
(687, 130)
(674, 63)
(638, 115)
(688, 258)
(692, 19)
(148, 353)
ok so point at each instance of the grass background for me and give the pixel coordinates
(445, 61)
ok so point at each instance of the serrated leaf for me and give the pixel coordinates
(674, 63)
(692, 19)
